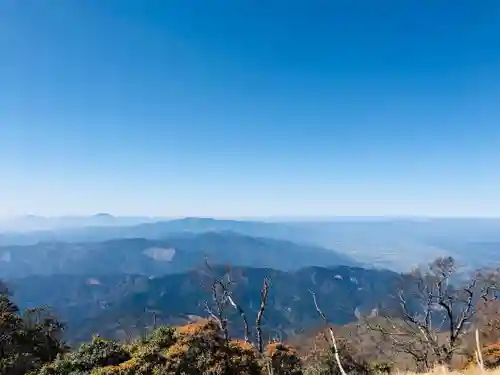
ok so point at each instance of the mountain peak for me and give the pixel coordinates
(103, 215)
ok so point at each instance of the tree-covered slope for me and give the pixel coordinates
(121, 305)
(177, 253)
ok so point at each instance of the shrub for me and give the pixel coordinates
(491, 356)
(26, 344)
(97, 353)
(323, 361)
(282, 359)
(162, 337)
(200, 348)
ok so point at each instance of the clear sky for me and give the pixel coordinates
(241, 108)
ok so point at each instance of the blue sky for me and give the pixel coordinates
(243, 108)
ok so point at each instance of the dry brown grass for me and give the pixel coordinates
(472, 370)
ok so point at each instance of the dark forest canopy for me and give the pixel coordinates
(32, 339)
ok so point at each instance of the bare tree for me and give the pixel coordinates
(397, 342)
(154, 318)
(258, 322)
(220, 291)
(240, 310)
(487, 320)
(435, 311)
(333, 343)
(222, 298)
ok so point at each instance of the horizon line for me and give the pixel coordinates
(249, 217)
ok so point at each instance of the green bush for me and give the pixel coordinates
(281, 359)
(97, 353)
(200, 348)
(26, 343)
(491, 356)
(323, 362)
(162, 337)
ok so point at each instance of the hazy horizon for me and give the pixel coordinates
(235, 109)
(261, 218)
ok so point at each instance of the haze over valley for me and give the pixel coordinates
(395, 243)
(249, 187)
(109, 271)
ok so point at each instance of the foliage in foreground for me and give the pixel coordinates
(30, 343)
(195, 348)
(27, 339)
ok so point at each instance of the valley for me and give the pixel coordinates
(123, 282)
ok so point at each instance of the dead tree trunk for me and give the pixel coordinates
(333, 344)
(260, 314)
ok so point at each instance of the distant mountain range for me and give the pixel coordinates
(37, 223)
(176, 253)
(383, 242)
(120, 305)
(110, 278)
(152, 230)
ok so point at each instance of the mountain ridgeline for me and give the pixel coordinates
(119, 306)
(398, 244)
(113, 279)
(178, 253)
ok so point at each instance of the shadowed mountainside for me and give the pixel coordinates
(159, 257)
(384, 242)
(118, 306)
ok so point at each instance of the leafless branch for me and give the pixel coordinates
(243, 316)
(429, 293)
(222, 297)
(332, 335)
(219, 301)
(258, 322)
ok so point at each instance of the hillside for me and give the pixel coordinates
(160, 323)
(121, 305)
(178, 253)
(392, 243)
(154, 230)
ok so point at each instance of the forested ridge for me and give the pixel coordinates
(401, 336)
